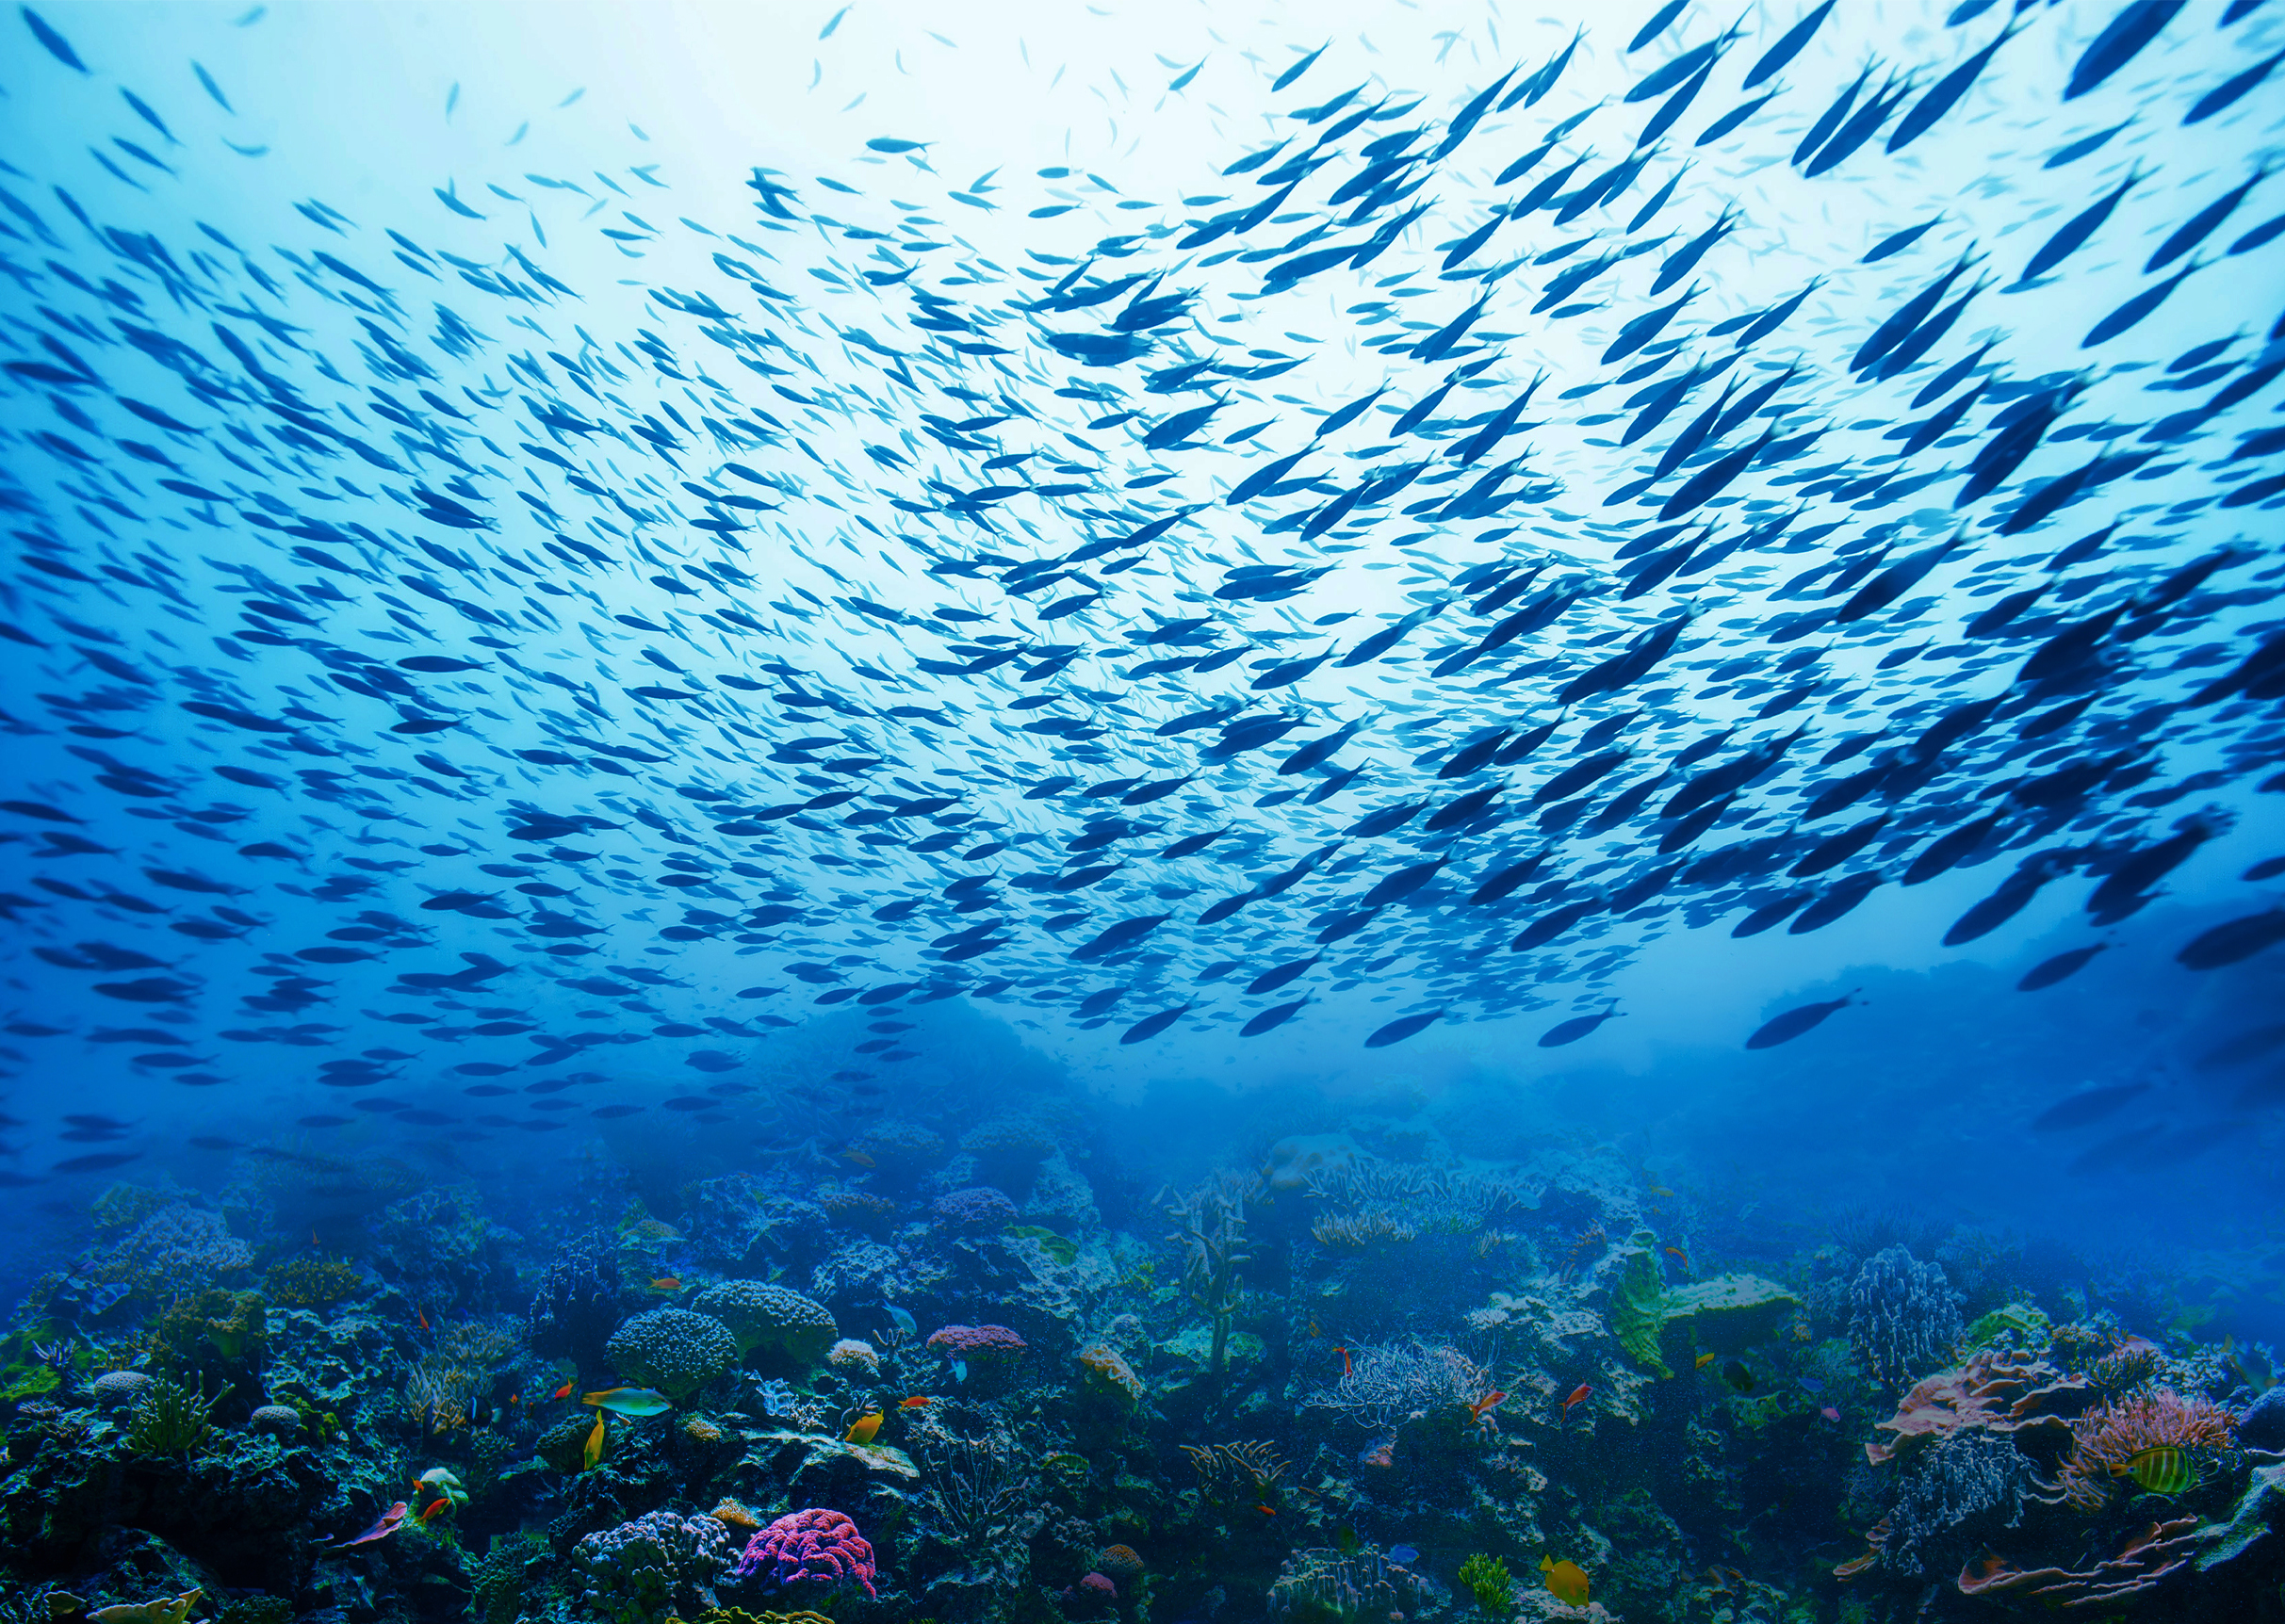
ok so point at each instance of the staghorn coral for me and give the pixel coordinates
(975, 1493)
(2000, 1390)
(672, 1349)
(660, 1563)
(1487, 1579)
(119, 1205)
(771, 1319)
(817, 1545)
(2141, 1563)
(1355, 1231)
(1209, 1233)
(1323, 1587)
(1239, 1473)
(1388, 1383)
(1903, 1314)
(2109, 1436)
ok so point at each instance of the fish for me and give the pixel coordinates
(1403, 1555)
(436, 1508)
(1349, 1366)
(666, 1283)
(1706, 1359)
(2087, 1107)
(863, 1429)
(592, 1451)
(2163, 1469)
(918, 1402)
(564, 1392)
(1794, 1022)
(1485, 1406)
(1576, 1397)
(1735, 1373)
(385, 1524)
(628, 1401)
(1566, 1581)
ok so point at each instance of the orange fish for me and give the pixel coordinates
(1579, 1395)
(918, 1402)
(422, 1318)
(858, 1157)
(1678, 1252)
(864, 1428)
(435, 1507)
(562, 1392)
(1347, 1368)
(1315, 1330)
(1266, 1510)
(666, 1283)
(1661, 1192)
(594, 1450)
(1484, 1406)
(1703, 1360)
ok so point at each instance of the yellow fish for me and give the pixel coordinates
(1706, 1359)
(594, 1451)
(863, 1429)
(2161, 1470)
(1567, 1581)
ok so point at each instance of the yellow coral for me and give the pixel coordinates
(735, 1514)
(699, 1430)
(1106, 1368)
(312, 1283)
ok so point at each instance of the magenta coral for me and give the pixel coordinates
(976, 1342)
(2106, 1439)
(817, 1544)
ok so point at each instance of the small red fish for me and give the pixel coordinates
(1831, 1414)
(918, 1402)
(1679, 1253)
(1579, 1395)
(1266, 1510)
(435, 1507)
(1347, 1368)
(562, 1393)
(422, 1318)
(667, 1283)
(1484, 1406)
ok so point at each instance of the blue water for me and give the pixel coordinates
(610, 607)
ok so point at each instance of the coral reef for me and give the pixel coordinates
(672, 1349)
(823, 1546)
(1904, 1315)
(784, 1327)
(656, 1565)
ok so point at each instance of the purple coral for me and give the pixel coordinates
(818, 1544)
(980, 1209)
(976, 1342)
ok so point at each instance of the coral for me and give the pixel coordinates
(1236, 1475)
(1120, 1563)
(177, 1249)
(1905, 1314)
(1210, 1232)
(213, 1332)
(120, 1204)
(672, 1349)
(1355, 1231)
(735, 1514)
(857, 1360)
(2144, 1560)
(443, 1390)
(2126, 1367)
(974, 1491)
(2000, 1390)
(1386, 1385)
(1320, 1586)
(577, 1304)
(1097, 1589)
(976, 1343)
(1487, 1579)
(859, 1209)
(117, 1390)
(975, 1212)
(1107, 1372)
(504, 1574)
(899, 1150)
(312, 1283)
(658, 1564)
(770, 1319)
(818, 1545)
(1637, 1314)
(283, 1419)
(2110, 1434)
(1966, 1477)
(1307, 1159)
(1010, 1150)
(256, 1609)
(169, 1418)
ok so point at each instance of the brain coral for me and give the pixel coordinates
(770, 1318)
(673, 1350)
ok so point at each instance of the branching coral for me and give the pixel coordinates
(975, 1492)
(2107, 1437)
(1968, 1477)
(1210, 1232)
(175, 1250)
(1235, 1473)
(1323, 1587)
(1392, 1383)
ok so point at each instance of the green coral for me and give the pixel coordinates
(256, 1609)
(506, 1572)
(170, 1419)
(1063, 1251)
(37, 1379)
(672, 1349)
(1637, 1312)
(1487, 1579)
(2022, 1320)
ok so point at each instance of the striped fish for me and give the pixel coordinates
(2161, 1470)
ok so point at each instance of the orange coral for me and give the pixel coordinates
(734, 1515)
(1110, 1372)
(2113, 1433)
(1999, 1390)
(1120, 1562)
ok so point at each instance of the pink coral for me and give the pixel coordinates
(817, 1544)
(2108, 1438)
(1998, 1390)
(976, 1342)
(2141, 1563)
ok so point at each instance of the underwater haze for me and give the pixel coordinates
(1045, 814)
